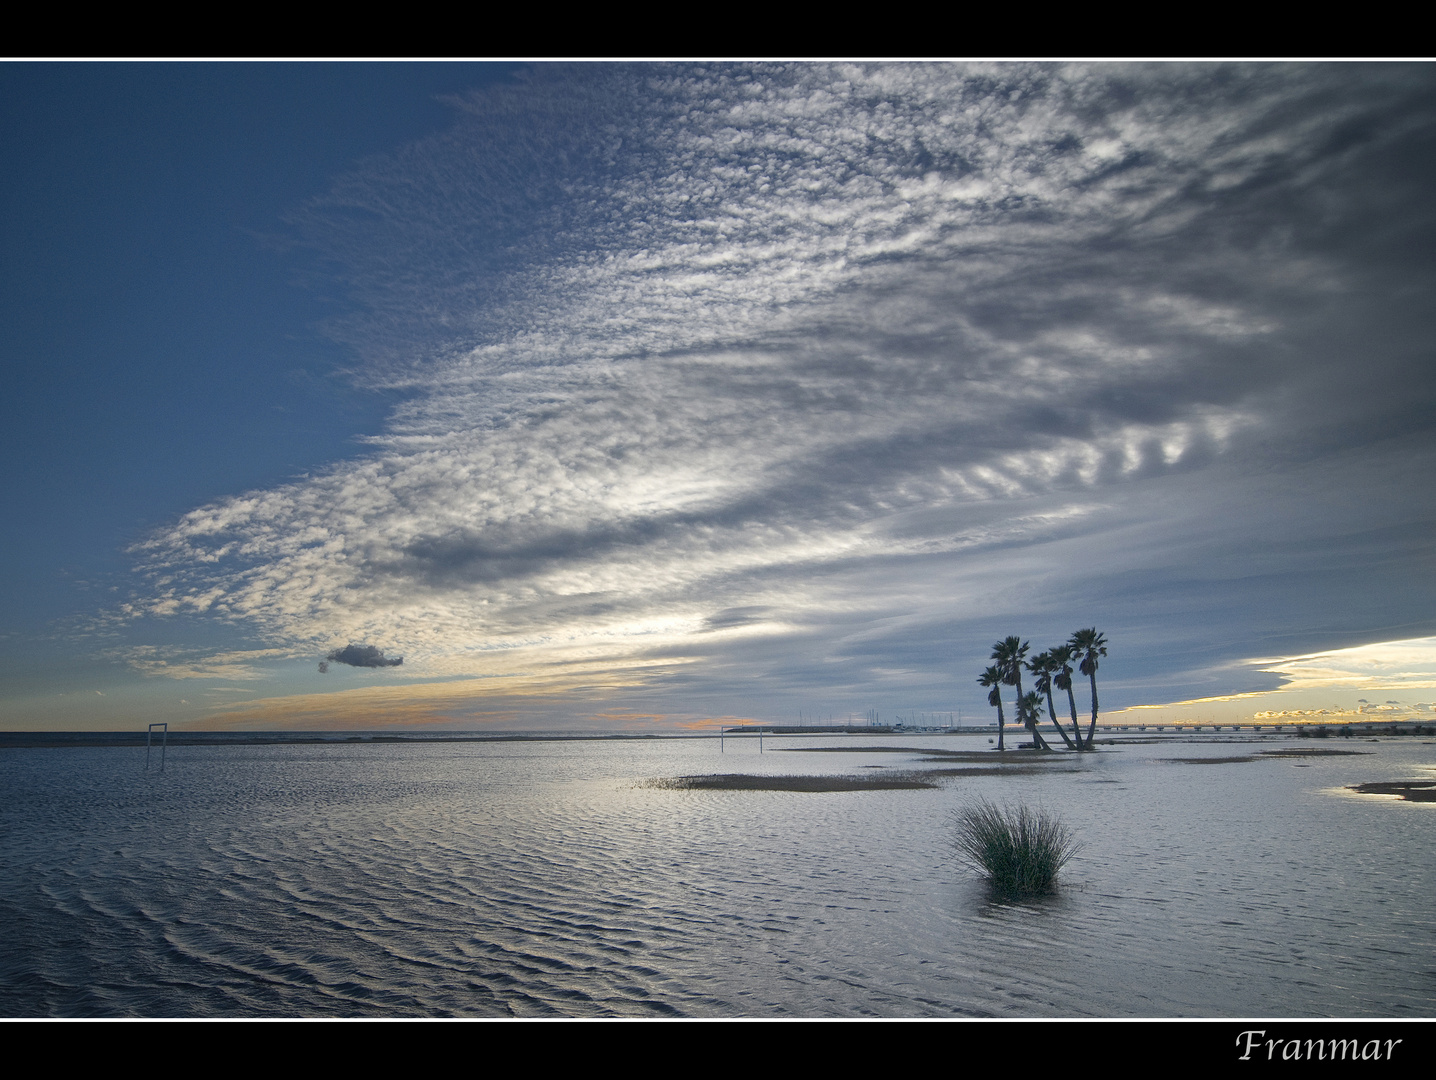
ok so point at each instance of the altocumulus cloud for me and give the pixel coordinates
(826, 376)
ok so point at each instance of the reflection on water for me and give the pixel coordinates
(553, 878)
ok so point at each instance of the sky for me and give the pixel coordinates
(656, 396)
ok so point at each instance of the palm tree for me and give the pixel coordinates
(992, 677)
(1063, 656)
(1009, 654)
(1031, 705)
(1088, 645)
(1043, 667)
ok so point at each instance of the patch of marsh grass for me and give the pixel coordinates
(1018, 848)
(741, 782)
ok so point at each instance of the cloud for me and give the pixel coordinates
(369, 656)
(815, 376)
(1388, 665)
(175, 662)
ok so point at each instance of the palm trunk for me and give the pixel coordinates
(1038, 742)
(1076, 726)
(1052, 712)
(1017, 682)
(999, 721)
(1029, 722)
(1092, 728)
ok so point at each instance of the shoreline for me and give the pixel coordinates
(49, 740)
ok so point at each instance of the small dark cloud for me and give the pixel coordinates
(465, 557)
(361, 656)
(736, 616)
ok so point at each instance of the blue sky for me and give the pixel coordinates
(628, 395)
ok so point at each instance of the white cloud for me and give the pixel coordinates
(1387, 665)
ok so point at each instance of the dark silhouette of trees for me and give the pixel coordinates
(1010, 653)
(1063, 657)
(1049, 669)
(1031, 704)
(1087, 645)
(992, 677)
(1044, 667)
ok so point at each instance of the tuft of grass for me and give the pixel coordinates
(1018, 848)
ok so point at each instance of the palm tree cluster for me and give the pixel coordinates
(1049, 669)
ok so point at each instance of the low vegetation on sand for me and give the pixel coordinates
(1018, 848)
(1010, 759)
(1410, 790)
(741, 782)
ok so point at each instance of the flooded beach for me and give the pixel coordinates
(578, 878)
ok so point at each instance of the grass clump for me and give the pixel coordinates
(1018, 848)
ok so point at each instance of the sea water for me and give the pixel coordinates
(552, 878)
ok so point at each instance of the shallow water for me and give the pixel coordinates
(546, 878)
